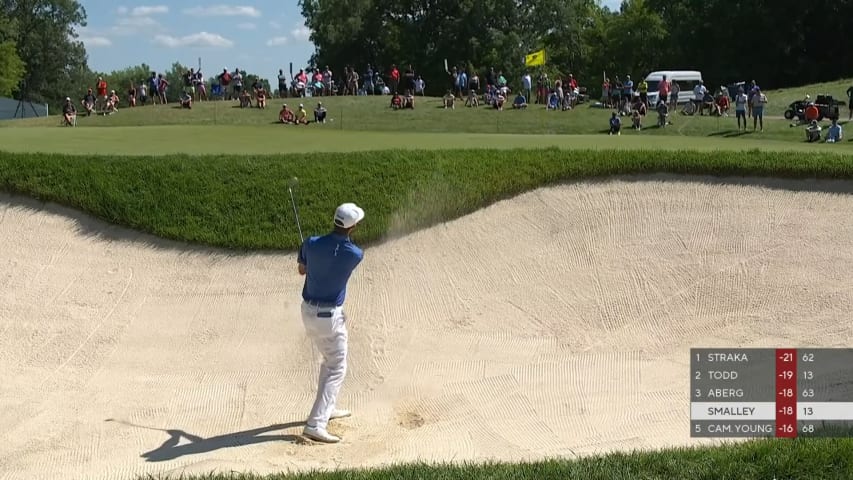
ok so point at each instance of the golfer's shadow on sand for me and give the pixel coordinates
(170, 449)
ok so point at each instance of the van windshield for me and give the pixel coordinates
(653, 85)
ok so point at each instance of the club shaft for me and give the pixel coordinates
(296, 214)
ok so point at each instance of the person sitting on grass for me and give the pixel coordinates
(813, 132)
(834, 134)
(89, 102)
(519, 102)
(261, 95)
(663, 113)
(396, 101)
(69, 112)
(615, 124)
(636, 120)
(320, 113)
(112, 103)
(449, 100)
(301, 115)
(473, 101)
(500, 99)
(245, 99)
(186, 100)
(409, 100)
(286, 115)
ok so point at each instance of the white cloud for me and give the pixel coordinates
(246, 26)
(122, 10)
(201, 39)
(275, 25)
(223, 11)
(277, 41)
(137, 22)
(144, 11)
(300, 34)
(95, 41)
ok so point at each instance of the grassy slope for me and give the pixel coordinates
(815, 459)
(243, 202)
(353, 117)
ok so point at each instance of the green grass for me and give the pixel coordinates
(359, 123)
(753, 460)
(243, 202)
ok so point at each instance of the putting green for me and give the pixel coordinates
(271, 139)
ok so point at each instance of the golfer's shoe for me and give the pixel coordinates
(340, 413)
(320, 435)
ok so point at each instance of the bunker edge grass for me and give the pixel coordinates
(242, 203)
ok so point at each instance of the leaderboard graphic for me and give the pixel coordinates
(767, 392)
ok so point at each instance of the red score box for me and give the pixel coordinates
(786, 393)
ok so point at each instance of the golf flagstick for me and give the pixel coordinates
(293, 182)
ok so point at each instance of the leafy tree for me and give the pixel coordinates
(11, 68)
(46, 39)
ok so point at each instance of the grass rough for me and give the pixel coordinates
(243, 203)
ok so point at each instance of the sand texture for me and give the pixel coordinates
(557, 323)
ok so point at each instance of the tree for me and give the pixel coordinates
(11, 68)
(46, 38)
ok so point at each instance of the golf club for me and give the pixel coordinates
(293, 182)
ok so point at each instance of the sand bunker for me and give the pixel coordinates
(557, 323)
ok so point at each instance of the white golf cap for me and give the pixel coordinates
(348, 214)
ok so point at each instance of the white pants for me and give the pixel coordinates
(326, 326)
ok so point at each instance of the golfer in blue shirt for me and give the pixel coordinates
(327, 263)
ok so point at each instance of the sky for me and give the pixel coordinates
(259, 37)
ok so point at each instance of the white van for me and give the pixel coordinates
(687, 79)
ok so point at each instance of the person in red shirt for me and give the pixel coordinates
(395, 78)
(102, 93)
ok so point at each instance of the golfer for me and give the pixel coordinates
(327, 263)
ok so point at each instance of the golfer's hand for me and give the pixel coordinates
(301, 269)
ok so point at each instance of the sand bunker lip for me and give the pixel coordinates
(554, 323)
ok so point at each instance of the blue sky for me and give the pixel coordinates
(260, 36)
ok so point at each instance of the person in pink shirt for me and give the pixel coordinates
(663, 90)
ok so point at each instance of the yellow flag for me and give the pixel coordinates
(535, 58)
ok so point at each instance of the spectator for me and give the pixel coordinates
(154, 87)
(162, 85)
(628, 88)
(410, 79)
(449, 100)
(520, 101)
(69, 113)
(473, 100)
(112, 103)
(143, 94)
(395, 79)
(850, 104)
(286, 115)
(474, 84)
(500, 99)
(420, 86)
(245, 99)
(237, 78)
(636, 120)
(615, 124)
(282, 84)
(813, 132)
(723, 103)
(526, 85)
(699, 92)
(198, 84)
(643, 88)
(301, 115)
(759, 100)
(663, 90)
(409, 100)
(663, 113)
(328, 84)
(224, 81)
(674, 92)
(89, 102)
(261, 95)
(741, 101)
(320, 113)
(605, 93)
(461, 83)
(102, 93)
(186, 99)
(368, 80)
(616, 93)
(834, 134)
(131, 95)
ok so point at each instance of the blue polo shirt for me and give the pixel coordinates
(329, 261)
